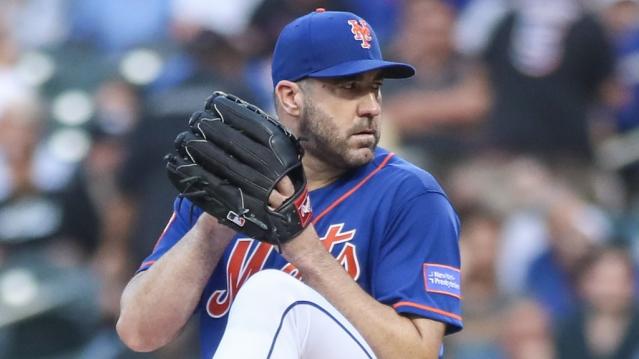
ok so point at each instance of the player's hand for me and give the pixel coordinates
(283, 190)
(244, 168)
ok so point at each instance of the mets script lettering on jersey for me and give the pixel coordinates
(362, 32)
(238, 269)
(241, 266)
(348, 256)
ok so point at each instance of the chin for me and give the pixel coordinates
(361, 156)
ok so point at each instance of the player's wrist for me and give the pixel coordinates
(304, 247)
(210, 230)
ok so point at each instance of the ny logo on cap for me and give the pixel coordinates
(362, 32)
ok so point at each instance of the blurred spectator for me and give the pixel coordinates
(35, 23)
(437, 111)
(117, 25)
(483, 301)
(28, 171)
(608, 324)
(537, 207)
(117, 111)
(621, 18)
(526, 332)
(223, 17)
(518, 189)
(547, 62)
(574, 228)
(21, 126)
(202, 62)
(475, 24)
(46, 237)
(627, 115)
(529, 186)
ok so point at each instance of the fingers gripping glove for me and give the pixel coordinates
(229, 162)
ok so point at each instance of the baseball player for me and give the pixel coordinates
(326, 247)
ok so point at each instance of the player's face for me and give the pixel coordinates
(340, 119)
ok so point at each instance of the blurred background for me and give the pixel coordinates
(527, 111)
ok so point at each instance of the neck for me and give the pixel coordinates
(319, 173)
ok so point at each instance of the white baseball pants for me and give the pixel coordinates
(276, 316)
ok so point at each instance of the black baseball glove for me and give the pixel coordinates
(229, 162)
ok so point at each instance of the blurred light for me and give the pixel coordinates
(36, 68)
(18, 287)
(69, 145)
(73, 107)
(141, 67)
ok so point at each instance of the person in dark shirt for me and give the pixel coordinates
(547, 62)
(607, 327)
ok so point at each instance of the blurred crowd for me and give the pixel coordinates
(527, 111)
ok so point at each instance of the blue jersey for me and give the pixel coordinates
(389, 224)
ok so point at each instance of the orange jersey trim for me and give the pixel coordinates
(355, 188)
(445, 293)
(429, 309)
(443, 266)
(146, 264)
(157, 242)
(166, 228)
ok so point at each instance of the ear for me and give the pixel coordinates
(289, 97)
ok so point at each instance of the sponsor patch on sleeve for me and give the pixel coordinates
(442, 279)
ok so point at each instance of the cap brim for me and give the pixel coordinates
(392, 70)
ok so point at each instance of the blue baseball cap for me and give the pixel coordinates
(330, 44)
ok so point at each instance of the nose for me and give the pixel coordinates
(370, 105)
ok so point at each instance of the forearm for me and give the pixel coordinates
(157, 303)
(389, 334)
(465, 104)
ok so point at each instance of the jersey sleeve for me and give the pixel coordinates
(418, 264)
(182, 219)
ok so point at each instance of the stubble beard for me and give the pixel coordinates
(324, 140)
